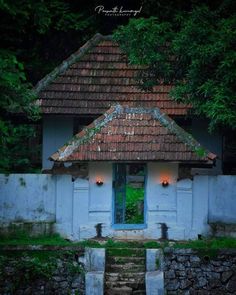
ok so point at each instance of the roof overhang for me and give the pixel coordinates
(125, 133)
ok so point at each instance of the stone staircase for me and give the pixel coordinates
(125, 271)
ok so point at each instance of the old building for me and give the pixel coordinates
(121, 162)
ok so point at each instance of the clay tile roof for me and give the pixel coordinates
(133, 134)
(94, 78)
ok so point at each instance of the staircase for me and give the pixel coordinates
(125, 271)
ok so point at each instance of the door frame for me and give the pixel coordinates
(129, 226)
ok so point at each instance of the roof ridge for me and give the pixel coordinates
(74, 57)
(88, 132)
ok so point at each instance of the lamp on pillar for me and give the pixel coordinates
(165, 183)
(99, 182)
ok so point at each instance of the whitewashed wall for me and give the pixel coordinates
(161, 201)
(222, 198)
(27, 197)
(185, 206)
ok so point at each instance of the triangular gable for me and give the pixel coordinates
(133, 134)
(96, 77)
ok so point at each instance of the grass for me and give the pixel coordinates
(120, 244)
(216, 243)
(124, 252)
(41, 255)
(21, 238)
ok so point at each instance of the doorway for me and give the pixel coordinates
(129, 195)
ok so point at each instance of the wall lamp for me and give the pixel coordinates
(165, 183)
(99, 182)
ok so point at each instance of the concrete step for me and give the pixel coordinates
(124, 291)
(125, 276)
(127, 267)
(125, 271)
(125, 252)
(135, 286)
(124, 260)
(119, 291)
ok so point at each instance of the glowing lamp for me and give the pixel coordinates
(99, 182)
(165, 183)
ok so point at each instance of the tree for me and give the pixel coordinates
(195, 52)
(16, 97)
(27, 28)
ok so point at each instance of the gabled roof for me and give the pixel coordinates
(133, 134)
(96, 77)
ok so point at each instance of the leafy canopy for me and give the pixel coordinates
(16, 97)
(28, 29)
(195, 52)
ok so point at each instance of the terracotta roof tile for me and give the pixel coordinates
(94, 78)
(132, 134)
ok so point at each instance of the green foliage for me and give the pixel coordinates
(14, 147)
(16, 94)
(20, 237)
(195, 52)
(32, 268)
(118, 244)
(152, 245)
(200, 152)
(42, 16)
(16, 98)
(28, 29)
(214, 244)
(134, 205)
(124, 252)
(29, 266)
(42, 33)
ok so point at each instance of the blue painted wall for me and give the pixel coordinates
(56, 132)
(185, 206)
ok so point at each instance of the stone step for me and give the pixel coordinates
(125, 271)
(127, 267)
(139, 292)
(119, 284)
(125, 252)
(124, 291)
(124, 260)
(119, 291)
(125, 276)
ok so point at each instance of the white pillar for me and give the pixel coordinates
(94, 283)
(80, 205)
(64, 205)
(154, 259)
(184, 206)
(154, 283)
(201, 204)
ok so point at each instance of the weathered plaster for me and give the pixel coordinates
(80, 207)
(23, 198)
(222, 198)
